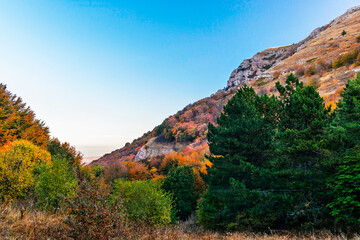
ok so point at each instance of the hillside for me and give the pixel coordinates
(326, 59)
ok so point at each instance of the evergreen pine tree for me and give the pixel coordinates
(240, 149)
(346, 125)
(303, 163)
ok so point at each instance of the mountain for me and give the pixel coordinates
(326, 59)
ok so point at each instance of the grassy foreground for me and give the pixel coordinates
(18, 222)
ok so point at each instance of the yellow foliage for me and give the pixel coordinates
(18, 161)
(158, 178)
(330, 104)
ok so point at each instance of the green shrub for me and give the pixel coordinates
(180, 182)
(144, 201)
(55, 182)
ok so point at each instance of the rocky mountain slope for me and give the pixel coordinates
(326, 59)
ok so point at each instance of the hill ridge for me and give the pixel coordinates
(311, 60)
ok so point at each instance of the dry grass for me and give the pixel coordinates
(33, 224)
(18, 222)
(183, 232)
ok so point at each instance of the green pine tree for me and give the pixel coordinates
(240, 148)
(303, 162)
(345, 130)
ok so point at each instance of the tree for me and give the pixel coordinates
(240, 149)
(302, 152)
(18, 121)
(64, 151)
(345, 130)
(345, 206)
(303, 119)
(18, 163)
(55, 182)
(270, 161)
(180, 183)
(344, 142)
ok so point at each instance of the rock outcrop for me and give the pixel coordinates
(259, 66)
(255, 67)
(156, 146)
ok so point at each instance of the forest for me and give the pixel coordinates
(285, 164)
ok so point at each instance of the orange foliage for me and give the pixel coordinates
(138, 171)
(199, 183)
(191, 155)
(18, 121)
(276, 74)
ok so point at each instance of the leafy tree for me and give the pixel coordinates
(55, 182)
(64, 151)
(180, 182)
(18, 121)
(345, 206)
(18, 163)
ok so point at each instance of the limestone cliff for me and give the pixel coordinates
(259, 66)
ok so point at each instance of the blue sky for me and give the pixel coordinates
(101, 73)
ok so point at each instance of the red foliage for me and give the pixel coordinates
(93, 217)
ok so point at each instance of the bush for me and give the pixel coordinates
(314, 81)
(180, 182)
(300, 71)
(358, 38)
(144, 201)
(276, 74)
(310, 71)
(346, 59)
(92, 216)
(18, 161)
(55, 182)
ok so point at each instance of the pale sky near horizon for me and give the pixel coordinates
(101, 73)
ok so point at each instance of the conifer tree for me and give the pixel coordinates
(303, 161)
(346, 125)
(270, 161)
(345, 142)
(240, 147)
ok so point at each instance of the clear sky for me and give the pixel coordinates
(101, 73)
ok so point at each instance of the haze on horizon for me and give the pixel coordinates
(101, 73)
